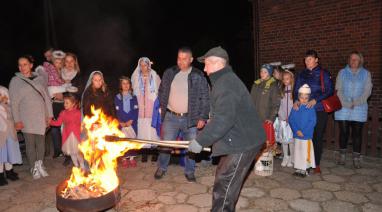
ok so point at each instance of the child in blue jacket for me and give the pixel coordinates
(126, 106)
(302, 123)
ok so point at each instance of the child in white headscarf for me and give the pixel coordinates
(9, 144)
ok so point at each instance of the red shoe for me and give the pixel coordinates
(133, 163)
(125, 163)
(317, 170)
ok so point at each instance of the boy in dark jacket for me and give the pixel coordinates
(234, 130)
(266, 97)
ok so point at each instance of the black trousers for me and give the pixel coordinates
(356, 134)
(56, 131)
(229, 178)
(318, 135)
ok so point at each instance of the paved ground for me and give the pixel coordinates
(337, 189)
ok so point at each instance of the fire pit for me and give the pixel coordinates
(100, 203)
(97, 187)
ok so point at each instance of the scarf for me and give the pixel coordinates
(68, 75)
(137, 78)
(268, 83)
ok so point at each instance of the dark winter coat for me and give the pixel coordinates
(313, 79)
(99, 99)
(266, 97)
(198, 94)
(234, 125)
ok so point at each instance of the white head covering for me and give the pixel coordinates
(278, 63)
(3, 110)
(305, 89)
(58, 54)
(137, 81)
(89, 82)
(288, 66)
(4, 92)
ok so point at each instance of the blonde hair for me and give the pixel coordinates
(285, 72)
(359, 54)
(76, 65)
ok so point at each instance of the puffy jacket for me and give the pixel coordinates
(266, 97)
(313, 79)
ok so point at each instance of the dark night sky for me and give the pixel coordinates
(112, 35)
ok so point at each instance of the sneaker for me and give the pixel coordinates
(3, 181)
(285, 161)
(154, 158)
(56, 155)
(190, 177)
(159, 174)
(41, 168)
(12, 175)
(290, 163)
(35, 173)
(125, 163)
(133, 163)
(296, 173)
(340, 157)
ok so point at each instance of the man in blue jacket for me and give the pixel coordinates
(234, 130)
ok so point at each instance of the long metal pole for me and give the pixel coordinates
(173, 144)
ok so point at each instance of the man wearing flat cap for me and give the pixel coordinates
(234, 130)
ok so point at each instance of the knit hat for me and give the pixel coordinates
(305, 89)
(268, 68)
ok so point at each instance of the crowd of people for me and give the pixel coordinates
(282, 107)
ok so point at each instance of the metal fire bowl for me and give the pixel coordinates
(101, 203)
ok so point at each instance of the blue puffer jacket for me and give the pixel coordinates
(304, 120)
(353, 89)
(198, 94)
(312, 78)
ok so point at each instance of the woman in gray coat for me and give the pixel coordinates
(32, 111)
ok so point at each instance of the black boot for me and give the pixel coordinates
(144, 158)
(12, 175)
(3, 181)
(67, 161)
(154, 157)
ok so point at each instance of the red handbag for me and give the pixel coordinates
(332, 103)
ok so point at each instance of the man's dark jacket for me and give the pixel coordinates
(234, 125)
(198, 94)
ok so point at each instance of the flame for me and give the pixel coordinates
(100, 154)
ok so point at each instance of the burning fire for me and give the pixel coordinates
(101, 157)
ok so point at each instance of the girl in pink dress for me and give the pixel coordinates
(70, 118)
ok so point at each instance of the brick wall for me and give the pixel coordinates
(287, 28)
